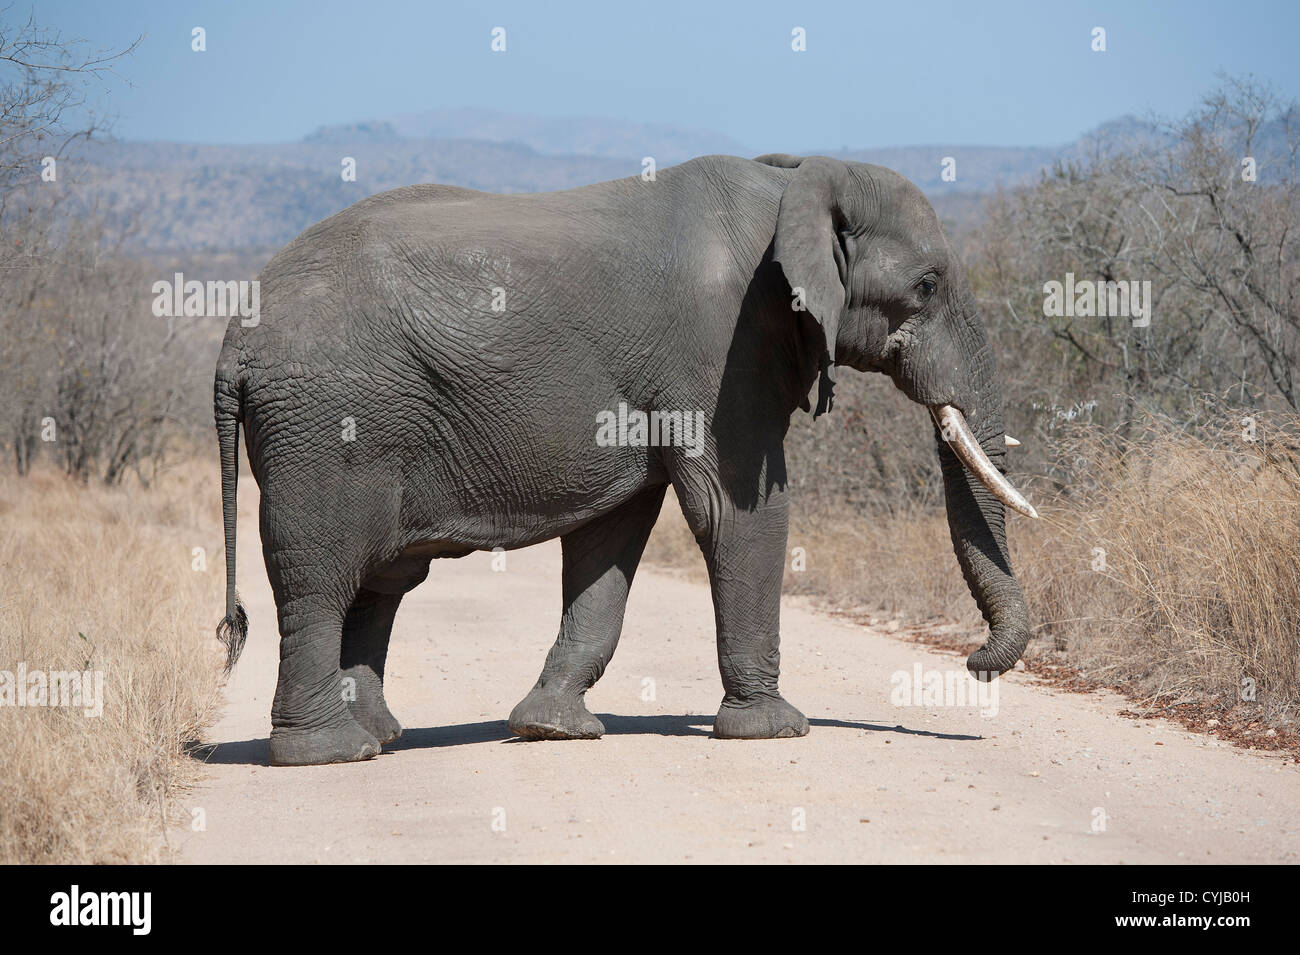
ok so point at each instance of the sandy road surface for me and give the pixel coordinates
(872, 782)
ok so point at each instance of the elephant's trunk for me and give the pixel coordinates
(977, 520)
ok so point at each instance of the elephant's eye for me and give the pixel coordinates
(928, 285)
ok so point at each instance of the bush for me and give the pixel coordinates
(1173, 565)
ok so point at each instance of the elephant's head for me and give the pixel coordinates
(887, 294)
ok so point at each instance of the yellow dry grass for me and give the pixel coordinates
(102, 579)
(1174, 567)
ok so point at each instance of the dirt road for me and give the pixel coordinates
(1051, 777)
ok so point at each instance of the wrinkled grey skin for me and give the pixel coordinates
(475, 428)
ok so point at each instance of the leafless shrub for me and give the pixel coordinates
(88, 373)
(1172, 208)
(44, 106)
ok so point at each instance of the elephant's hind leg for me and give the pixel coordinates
(600, 559)
(366, 631)
(315, 538)
(310, 722)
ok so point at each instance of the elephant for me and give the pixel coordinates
(434, 368)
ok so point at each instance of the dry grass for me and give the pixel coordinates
(101, 578)
(1174, 570)
(1170, 570)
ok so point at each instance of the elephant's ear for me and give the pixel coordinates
(808, 247)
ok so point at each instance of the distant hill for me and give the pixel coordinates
(217, 198)
(571, 136)
(189, 198)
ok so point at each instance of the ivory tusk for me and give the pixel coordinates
(1011, 442)
(952, 425)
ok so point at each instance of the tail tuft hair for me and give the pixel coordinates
(232, 632)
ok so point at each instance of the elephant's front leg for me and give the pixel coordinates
(745, 553)
(600, 559)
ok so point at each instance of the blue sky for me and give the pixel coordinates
(995, 73)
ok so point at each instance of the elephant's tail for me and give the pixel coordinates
(233, 629)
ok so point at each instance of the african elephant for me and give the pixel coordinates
(433, 367)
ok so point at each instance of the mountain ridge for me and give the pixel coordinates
(216, 198)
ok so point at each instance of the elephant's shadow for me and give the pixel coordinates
(256, 752)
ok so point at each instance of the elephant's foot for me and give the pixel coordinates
(343, 742)
(545, 714)
(376, 718)
(765, 717)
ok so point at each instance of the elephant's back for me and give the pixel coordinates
(332, 245)
(479, 265)
(438, 294)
